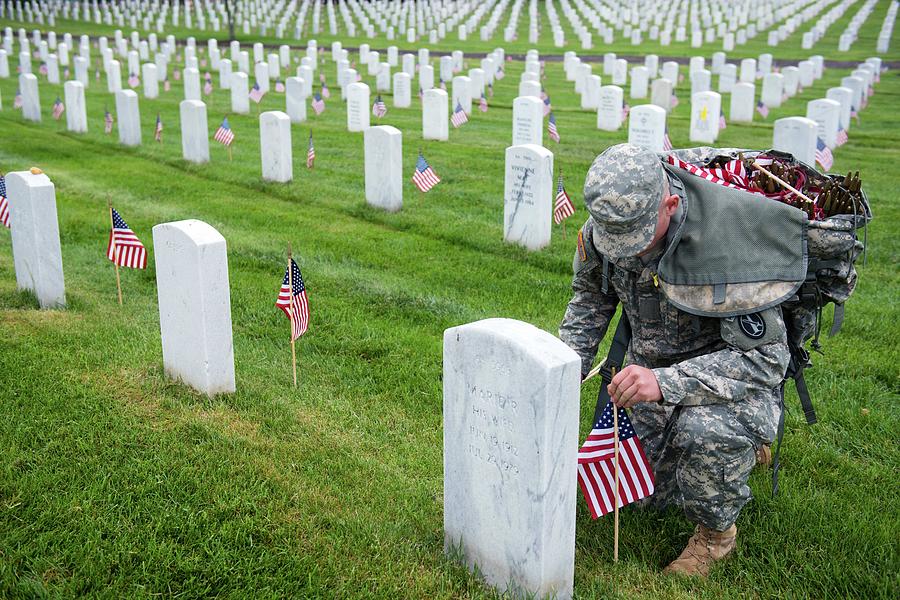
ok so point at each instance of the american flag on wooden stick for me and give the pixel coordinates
(424, 176)
(762, 109)
(596, 465)
(563, 207)
(157, 132)
(318, 104)
(125, 249)
(256, 94)
(224, 135)
(18, 101)
(279, 86)
(293, 301)
(4, 203)
(107, 122)
(667, 143)
(459, 116)
(379, 108)
(58, 108)
(310, 153)
(482, 104)
(133, 80)
(552, 131)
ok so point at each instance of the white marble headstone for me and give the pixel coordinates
(772, 89)
(358, 106)
(743, 103)
(402, 91)
(796, 135)
(705, 111)
(37, 254)
(844, 97)
(511, 408)
(295, 99)
(128, 118)
(384, 167)
(609, 109)
(275, 146)
(194, 305)
(76, 111)
(240, 93)
(647, 127)
(194, 131)
(527, 121)
(31, 100)
(528, 196)
(827, 115)
(435, 115)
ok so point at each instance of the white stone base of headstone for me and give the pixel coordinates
(194, 305)
(37, 255)
(511, 398)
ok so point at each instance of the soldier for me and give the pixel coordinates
(704, 392)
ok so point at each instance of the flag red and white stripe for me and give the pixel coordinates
(293, 301)
(125, 249)
(563, 207)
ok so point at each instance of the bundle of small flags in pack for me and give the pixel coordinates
(424, 176)
(459, 116)
(379, 108)
(552, 131)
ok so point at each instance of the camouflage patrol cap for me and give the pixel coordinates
(622, 191)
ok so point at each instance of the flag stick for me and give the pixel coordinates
(112, 239)
(593, 372)
(782, 182)
(230, 157)
(291, 287)
(616, 483)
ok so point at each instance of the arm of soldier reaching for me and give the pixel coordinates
(589, 312)
(751, 362)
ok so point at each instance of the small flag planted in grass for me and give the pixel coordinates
(722, 123)
(224, 135)
(424, 176)
(125, 249)
(58, 108)
(326, 93)
(459, 117)
(552, 131)
(625, 110)
(490, 90)
(762, 109)
(17, 101)
(379, 109)
(4, 203)
(824, 155)
(482, 104)
(166, 85)
(256, 94)
(279, 86)
(547, 106)
(318, 104)
(310, 153)
(177, 74)
(563, 207)
(43, 69)
(842, 137)
(208, 85)
(133, 80)
(292, 299)
(667, 143)
(157, 132)
(443, 85)
(107, 122)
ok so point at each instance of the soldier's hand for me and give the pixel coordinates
(634, 384)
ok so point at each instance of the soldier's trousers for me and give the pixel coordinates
(702, 456)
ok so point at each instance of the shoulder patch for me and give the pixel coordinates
(581, 251)
(755, 329)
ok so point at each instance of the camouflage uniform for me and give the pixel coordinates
(720, 387)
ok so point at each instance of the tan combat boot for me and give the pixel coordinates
(704, 548)
(764, 455)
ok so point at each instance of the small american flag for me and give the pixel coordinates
(43, 69)
(279, 86)
(97, 74)
(823, 155)
(459, 117)
(203, 62)
(563, 207)
(326, 93)
(762, 109)
(318, 104)
(421, 93)
(842, 137)
(596, 476)
(18, 101)
(310, 153)
(547, 106)
(133, 80)
(482, 104)
(66, 73)
(166, 85)
(177, 74)
(157, 132)
(107, 122)
(293, 301)
(667, 143)
(732, 175)
(490, 90)
(673, 101)
(125, 249)
(625, 110)
(544, 95)
(871, 91)
(854, 113)
(443, 85)
(424, 176)
(256, 94)
(722, 123)
(379, 109)
(58, 108)
(207, 85)
(4, 203)
(552, 131)
(224, 135)
(500, 73)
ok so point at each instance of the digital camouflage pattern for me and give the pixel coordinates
(622, 192)
(720, 386)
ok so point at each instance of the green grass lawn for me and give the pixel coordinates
(116, 482)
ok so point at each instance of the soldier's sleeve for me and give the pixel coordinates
(754, 360)
(590, 309)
